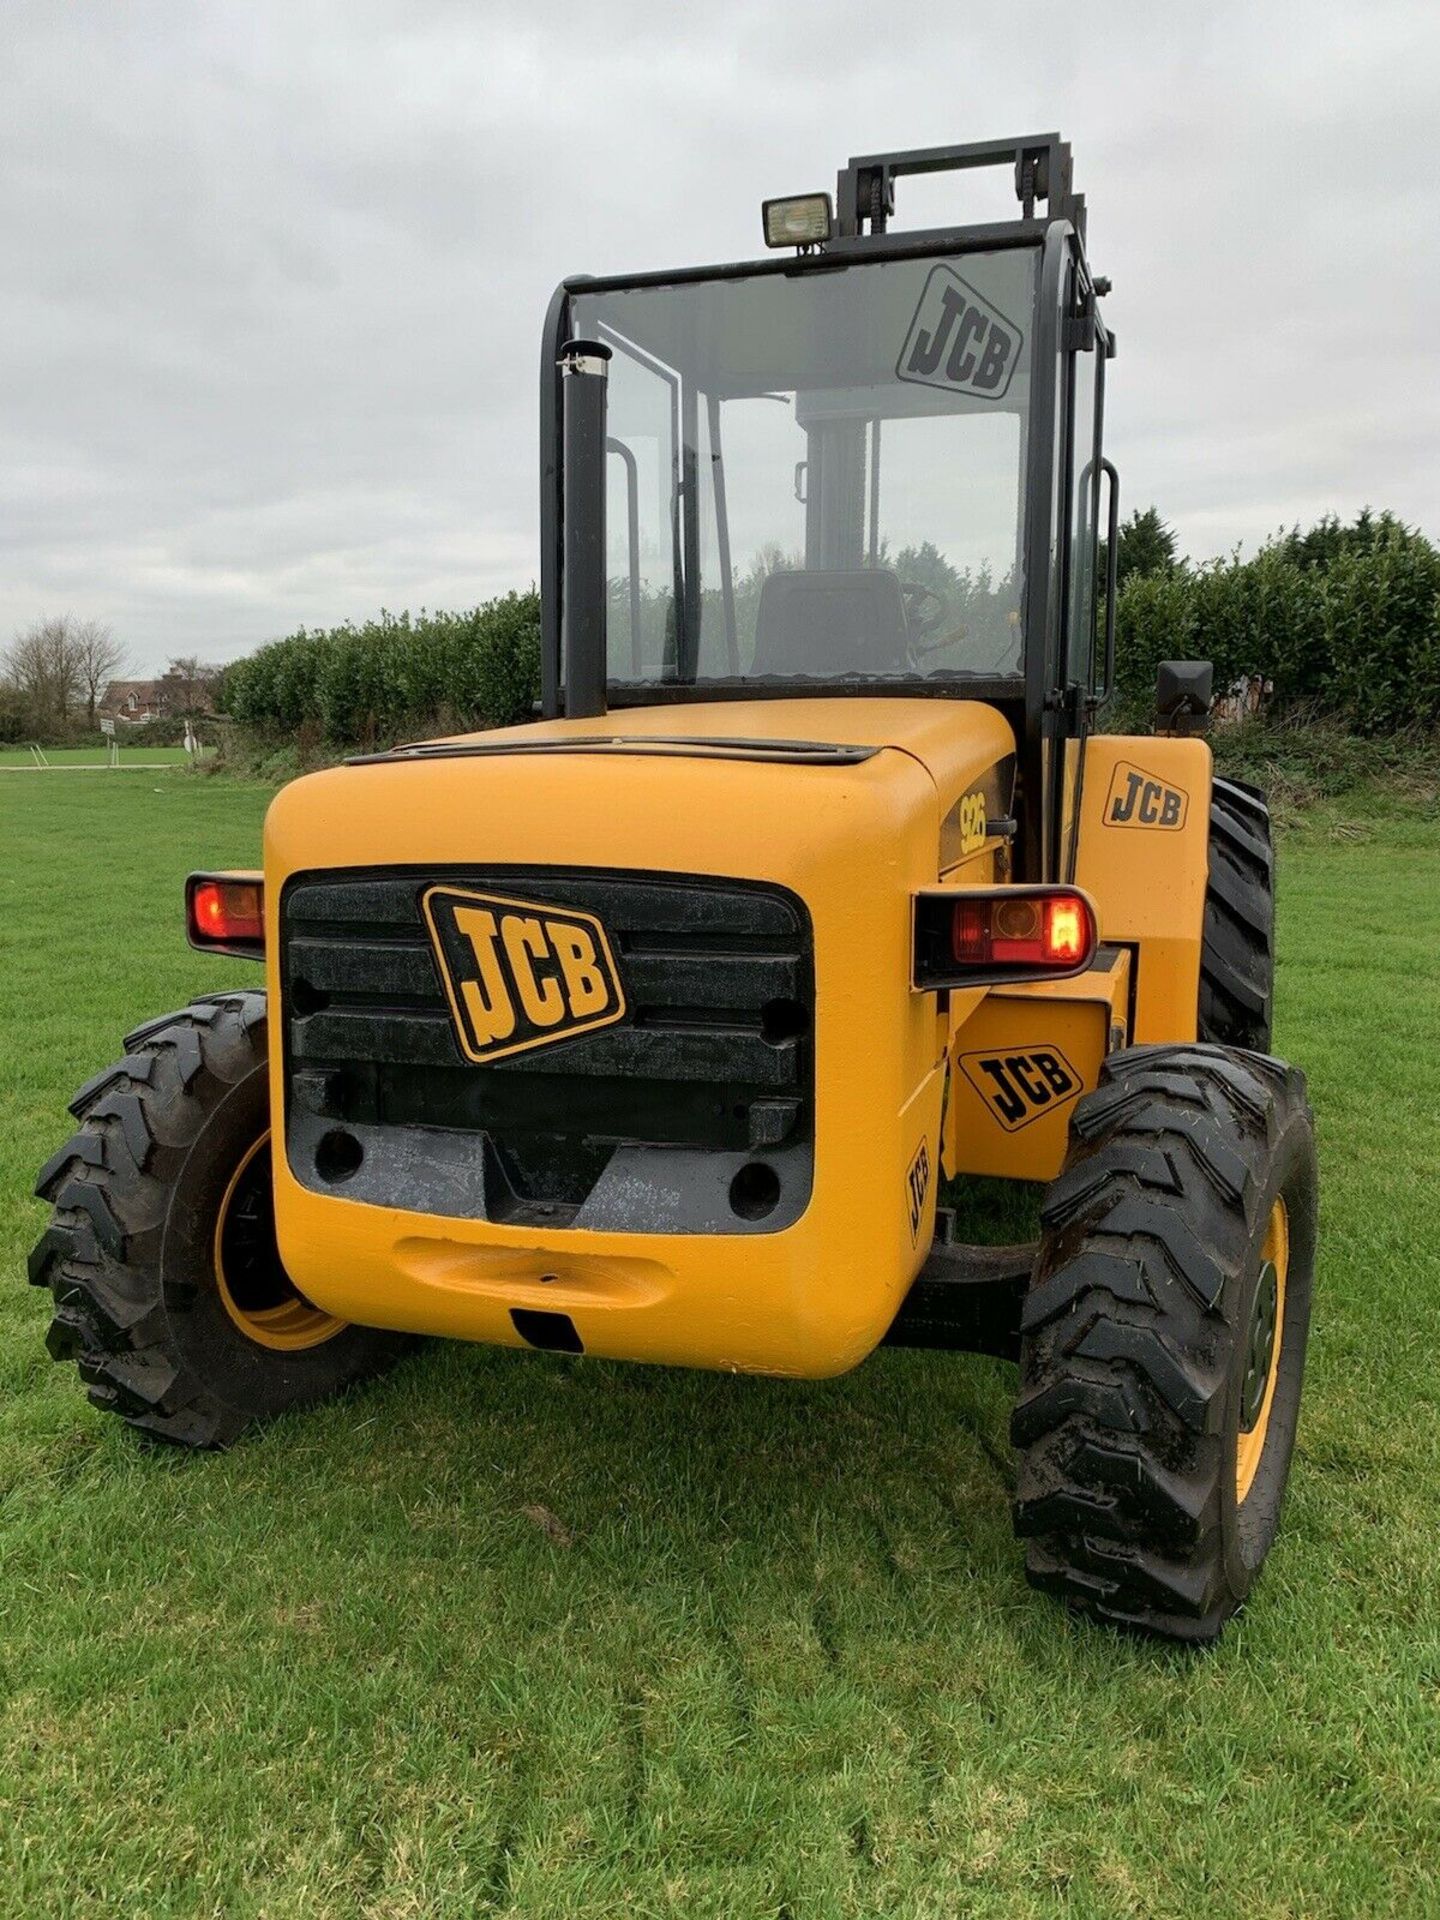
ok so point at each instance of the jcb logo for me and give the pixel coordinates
(1138, 799)
(519, 974)
(972, 823)
(958, 341)
(917, 1187)
(1019, 1087)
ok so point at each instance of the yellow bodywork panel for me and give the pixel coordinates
(1144, 857)
(854, 837)
(1021, 1059)
(854, 842)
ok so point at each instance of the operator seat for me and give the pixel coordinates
(831, 620)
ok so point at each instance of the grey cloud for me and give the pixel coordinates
(275, 272)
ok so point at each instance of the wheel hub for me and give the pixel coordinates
(1260, 1355)
(255, 1290)
(1263, 1322)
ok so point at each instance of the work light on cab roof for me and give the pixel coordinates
(805, 220)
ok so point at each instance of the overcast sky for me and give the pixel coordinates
(274, 272)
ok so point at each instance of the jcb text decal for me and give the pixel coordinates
(972, 823)
(520, 974)
(1019, 1087)
(1138, 799)
(958, 341)
(917, 1188)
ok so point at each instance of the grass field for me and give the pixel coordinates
(131, 755)
(773, 1655)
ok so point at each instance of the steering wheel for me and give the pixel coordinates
(924, 609)
(1003, 661)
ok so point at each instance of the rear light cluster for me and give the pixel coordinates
(975, 937)
(225, 913)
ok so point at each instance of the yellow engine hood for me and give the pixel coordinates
(852, 837)
(954, 740)
(700, 800)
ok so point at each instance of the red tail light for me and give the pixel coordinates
(225, 913)
(1068, 930)
(979, 937)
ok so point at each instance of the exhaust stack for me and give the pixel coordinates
(584, 365)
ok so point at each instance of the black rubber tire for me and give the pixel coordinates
(128, 1253)
(1134, 1335)
(1237, 962)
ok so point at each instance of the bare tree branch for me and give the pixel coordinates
(100, 657)
(190, 684)
(43, 666)
(53, 665)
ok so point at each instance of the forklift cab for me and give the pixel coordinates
(871, 465)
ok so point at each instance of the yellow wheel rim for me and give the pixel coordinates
(254, 1288)
(1262, 1352)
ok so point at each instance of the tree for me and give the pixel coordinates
(12, 714)
(190, 685)
(1330, 539)
(926, 566)
(42, 665)
(99, 657)
(1145, 545)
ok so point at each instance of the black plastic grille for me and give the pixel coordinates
(714, 1053)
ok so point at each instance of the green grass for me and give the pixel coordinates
(781, 1661)
(131, 755)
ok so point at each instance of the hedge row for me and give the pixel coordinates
(1344, 621)
(394, 676)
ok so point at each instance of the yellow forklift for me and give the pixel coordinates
(652, 1028)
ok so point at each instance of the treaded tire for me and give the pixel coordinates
(128, 1255)
(1237, 962)
(1134, 1338)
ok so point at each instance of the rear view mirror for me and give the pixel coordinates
(1182, 695)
